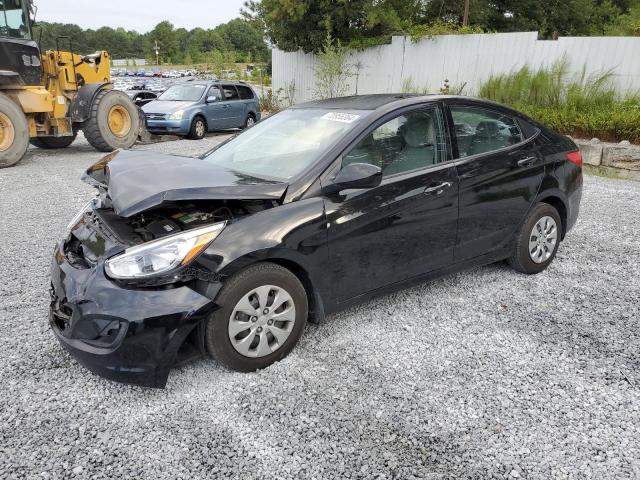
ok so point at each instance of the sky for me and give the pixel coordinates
(139, 15)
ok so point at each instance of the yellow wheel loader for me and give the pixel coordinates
(47, 97)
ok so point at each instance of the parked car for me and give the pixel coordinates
(317, 208)
(194, 108)
(141, 97)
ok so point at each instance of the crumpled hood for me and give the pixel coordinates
(136, 181)
(166, 107)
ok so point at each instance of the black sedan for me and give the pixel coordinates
(319, 207)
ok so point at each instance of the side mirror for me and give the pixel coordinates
(212, 99)
(355, 175)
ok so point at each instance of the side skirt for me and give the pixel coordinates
(487, 259)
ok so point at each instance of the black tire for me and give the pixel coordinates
(521, 259)
(217, 338)
(249, 121)
(198, 129)
(97, 129)
(17, 127)
(49, 143)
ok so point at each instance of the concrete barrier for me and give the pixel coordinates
(620, 160)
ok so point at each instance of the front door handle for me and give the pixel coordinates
(527, 161)
(438, 189)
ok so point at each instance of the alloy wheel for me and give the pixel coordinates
(200, 128)
(543, 239)
(261, 321)
(250, 121)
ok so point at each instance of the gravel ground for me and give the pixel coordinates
(483, 374)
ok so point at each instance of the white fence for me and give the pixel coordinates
(463, 59)
(129, 62)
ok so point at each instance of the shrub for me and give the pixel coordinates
(582, 106)
(410, 86)
(269, 103)
(332, 72)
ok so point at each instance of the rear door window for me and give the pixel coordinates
(245, 93)
(479, 130)
(230, 93)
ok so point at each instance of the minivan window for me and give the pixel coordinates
(408, 142)
(245, 93)
(230, 92)
(183, 93)
(214, 92)
(479, 130)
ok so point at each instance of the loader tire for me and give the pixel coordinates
(50, 143)
(114, 122)
(14, 132)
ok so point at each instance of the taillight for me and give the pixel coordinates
(575, 158)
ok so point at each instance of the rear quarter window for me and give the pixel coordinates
(245, 93)
(528, 130)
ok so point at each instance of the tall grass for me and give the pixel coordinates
(580, 105)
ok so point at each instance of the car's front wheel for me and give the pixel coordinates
(538, 240)
(198, 129)
(263, 314)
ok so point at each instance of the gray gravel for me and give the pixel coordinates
(483, 374)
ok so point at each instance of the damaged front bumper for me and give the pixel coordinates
(125, 334)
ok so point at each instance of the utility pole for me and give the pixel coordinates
(465, 18)
(157, 54)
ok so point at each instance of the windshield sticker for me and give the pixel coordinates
(340, 117)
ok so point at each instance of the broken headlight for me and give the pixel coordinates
(74, 221)
(162, 256)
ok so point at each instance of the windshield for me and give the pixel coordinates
(184, 93)
(13, 19)
(285, 144)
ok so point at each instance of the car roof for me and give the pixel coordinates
(231, 82)
(385, 102)
(358, 102)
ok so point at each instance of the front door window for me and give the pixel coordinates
(412, 141)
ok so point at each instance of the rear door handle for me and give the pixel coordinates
(438, 189)
(527, 161)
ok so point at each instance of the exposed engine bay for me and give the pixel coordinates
(171, 219)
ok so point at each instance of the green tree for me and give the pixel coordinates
(167, 39)
(244, 37)
(627, 24)
(291, 24)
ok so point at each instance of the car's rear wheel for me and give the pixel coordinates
(198, 129)
(250, 121)
(262, 316)
(538, 240)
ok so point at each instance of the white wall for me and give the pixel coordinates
(465, 58)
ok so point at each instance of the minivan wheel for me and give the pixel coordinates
(198, 129)
(538, 240)
(262, 316)
(250, 121)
